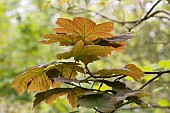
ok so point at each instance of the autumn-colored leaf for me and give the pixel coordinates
(129, 70)
(50, 95)
(53, 94)
(86, 54)
(74, 94)
(35, 79)
(65, 40)
(84, 27)
(69, 69)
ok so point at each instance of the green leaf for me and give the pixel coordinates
(86, 54)
(103, 102)
(123, 94)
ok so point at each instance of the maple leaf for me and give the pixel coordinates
(129, 70)
(34, 78)
(86, 54)
(84, 27)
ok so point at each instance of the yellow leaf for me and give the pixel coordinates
(84, 27)
(86, 54)
(21, 81)
(40, 83)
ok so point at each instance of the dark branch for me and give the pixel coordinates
(145, 17)
(156, 107)
(159, 73)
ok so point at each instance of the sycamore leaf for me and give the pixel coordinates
(129, 70)
(50, 95)
(72, 98)
(34, 78)
(84, 27)
(118, 46)
(86, 54)
(65, 40)
(69, 69)
(39, 78)
(74, 94)
(53, 94)
(123, 94)
(108, 102)
(103, 102)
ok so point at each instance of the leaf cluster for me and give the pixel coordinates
(88, 42)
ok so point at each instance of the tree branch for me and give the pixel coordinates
(145, 17)
(159, 73)
(156, 107)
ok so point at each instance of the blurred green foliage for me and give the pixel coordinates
(24, 22)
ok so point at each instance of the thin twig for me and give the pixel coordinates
(98, 110)
(145, 17)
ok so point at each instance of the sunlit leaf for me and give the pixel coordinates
(39, 78)
(69, 69)
(86, 54)
(84, 27)
(129, 70)
(34, 78)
